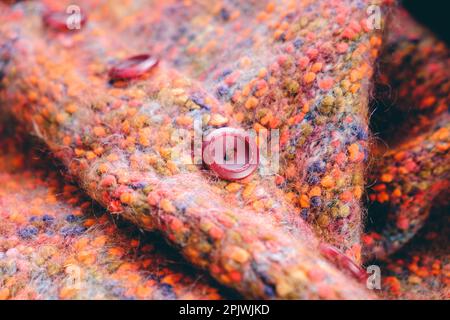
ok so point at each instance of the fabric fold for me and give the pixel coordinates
(415, 168)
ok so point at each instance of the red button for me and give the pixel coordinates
(60, 21)
(133, 67)
(231, 153)
(341, 260)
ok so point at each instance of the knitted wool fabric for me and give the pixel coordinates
(421, 270)
(412, 176)
(53, 246)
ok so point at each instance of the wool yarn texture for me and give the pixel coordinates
(56, 244)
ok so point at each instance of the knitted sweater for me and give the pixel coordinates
(300, 67)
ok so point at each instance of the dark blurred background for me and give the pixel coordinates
(435, 14)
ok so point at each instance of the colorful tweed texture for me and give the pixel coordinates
(340, 198)
(56, 244)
